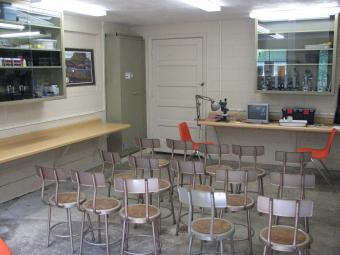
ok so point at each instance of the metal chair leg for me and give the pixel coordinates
(321, 172)
(190, 245)
(172, 206)
(249, 233)
(68, 210)
(221, 247)
(49, 225)
(178, 218)
(232, 246)
(122, 250)
(90, 226)
(265, 250)
(99, 231)
(154, 237)
(325, 167)
(107, 234)
(82, 233)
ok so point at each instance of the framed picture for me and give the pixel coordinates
(79, 67)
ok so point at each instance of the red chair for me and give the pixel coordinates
(185, 135)
(4, 250)
(321, 154)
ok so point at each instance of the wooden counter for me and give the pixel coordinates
(269, 126)
(19, 146)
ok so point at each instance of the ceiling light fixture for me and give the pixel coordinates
(278, 36)
(262, 30)
(206, 5)
(11, 26)
(72, 6)
(314, 12)
(21, 34)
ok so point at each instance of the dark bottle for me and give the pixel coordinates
(337, 113)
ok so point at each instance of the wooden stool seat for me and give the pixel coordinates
(137, 211)
(202, 226)
(163, 163)
(284, 235)
(164, 185)
(67, 199)
(211, 169)
(103, 205)
(202, 187)
(260, 172)
(237, 201)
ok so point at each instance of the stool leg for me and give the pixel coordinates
(107, 234)
(221, 247)
(90, 227)
(154, 237)
(122, 250)
(68, 210)
(232, 246)
(49, 225)
(99, 231)
(178, 218)
(190, 245)
(172, 206)
(82, 233)
(249, 233)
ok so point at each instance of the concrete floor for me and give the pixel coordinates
(23, 226)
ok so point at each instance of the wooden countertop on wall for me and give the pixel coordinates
(19, 146)
(269, 126)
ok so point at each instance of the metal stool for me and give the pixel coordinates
(139, 213)
(239, 202)
(213, 149)
(210, 228)
(99, 206)
(65, 200)
(285, 238)
(253, 152)
(150, 165)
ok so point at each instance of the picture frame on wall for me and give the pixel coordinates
(79, 67)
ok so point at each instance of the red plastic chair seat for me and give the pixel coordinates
(4, 250)
(186, 136)
(320, 154)
(197, 144)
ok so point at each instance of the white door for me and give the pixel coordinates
(176, 77)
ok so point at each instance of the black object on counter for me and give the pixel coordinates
(299, 113)
(337, 112)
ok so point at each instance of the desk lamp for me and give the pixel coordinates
(215, 106)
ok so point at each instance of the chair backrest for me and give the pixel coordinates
(183, 195)
(137, 186)
(236, 177)
(179, 145)
(108, 157)
(205, 199)
(148, 143)
(4, 249)
(184, 132)
(285, 208)
(191, 167)
(247, 151)
(300, 158)
(330, 140)
(146, 164)
(214, 149)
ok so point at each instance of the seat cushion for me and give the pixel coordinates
(211, 169)
(284, 235)
(164, 185)
(202, 187)
(237, 200)
(67, 199)
(202, 226)
(138, 211)
(163, 163)
(103, 204)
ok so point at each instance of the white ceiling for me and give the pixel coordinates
(154, 12)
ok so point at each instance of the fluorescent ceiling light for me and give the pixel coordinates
(262, 30)
(72, 6)
(21, 34)
(277, 36)
(11, 26)
(314, 12)
(206, 5)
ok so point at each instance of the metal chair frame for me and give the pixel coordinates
(239, 177)
(94, 181)
(213, 201)
(289, 209)
(57, 176)
(144, 187)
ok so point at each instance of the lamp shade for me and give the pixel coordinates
(215, 106)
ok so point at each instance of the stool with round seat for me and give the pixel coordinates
(145, 213)
(252, 152)
(64, 200)
(214, 149)
(239, 202)
(98, 206)
(285, 238)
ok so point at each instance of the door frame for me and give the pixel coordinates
(148, 59)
